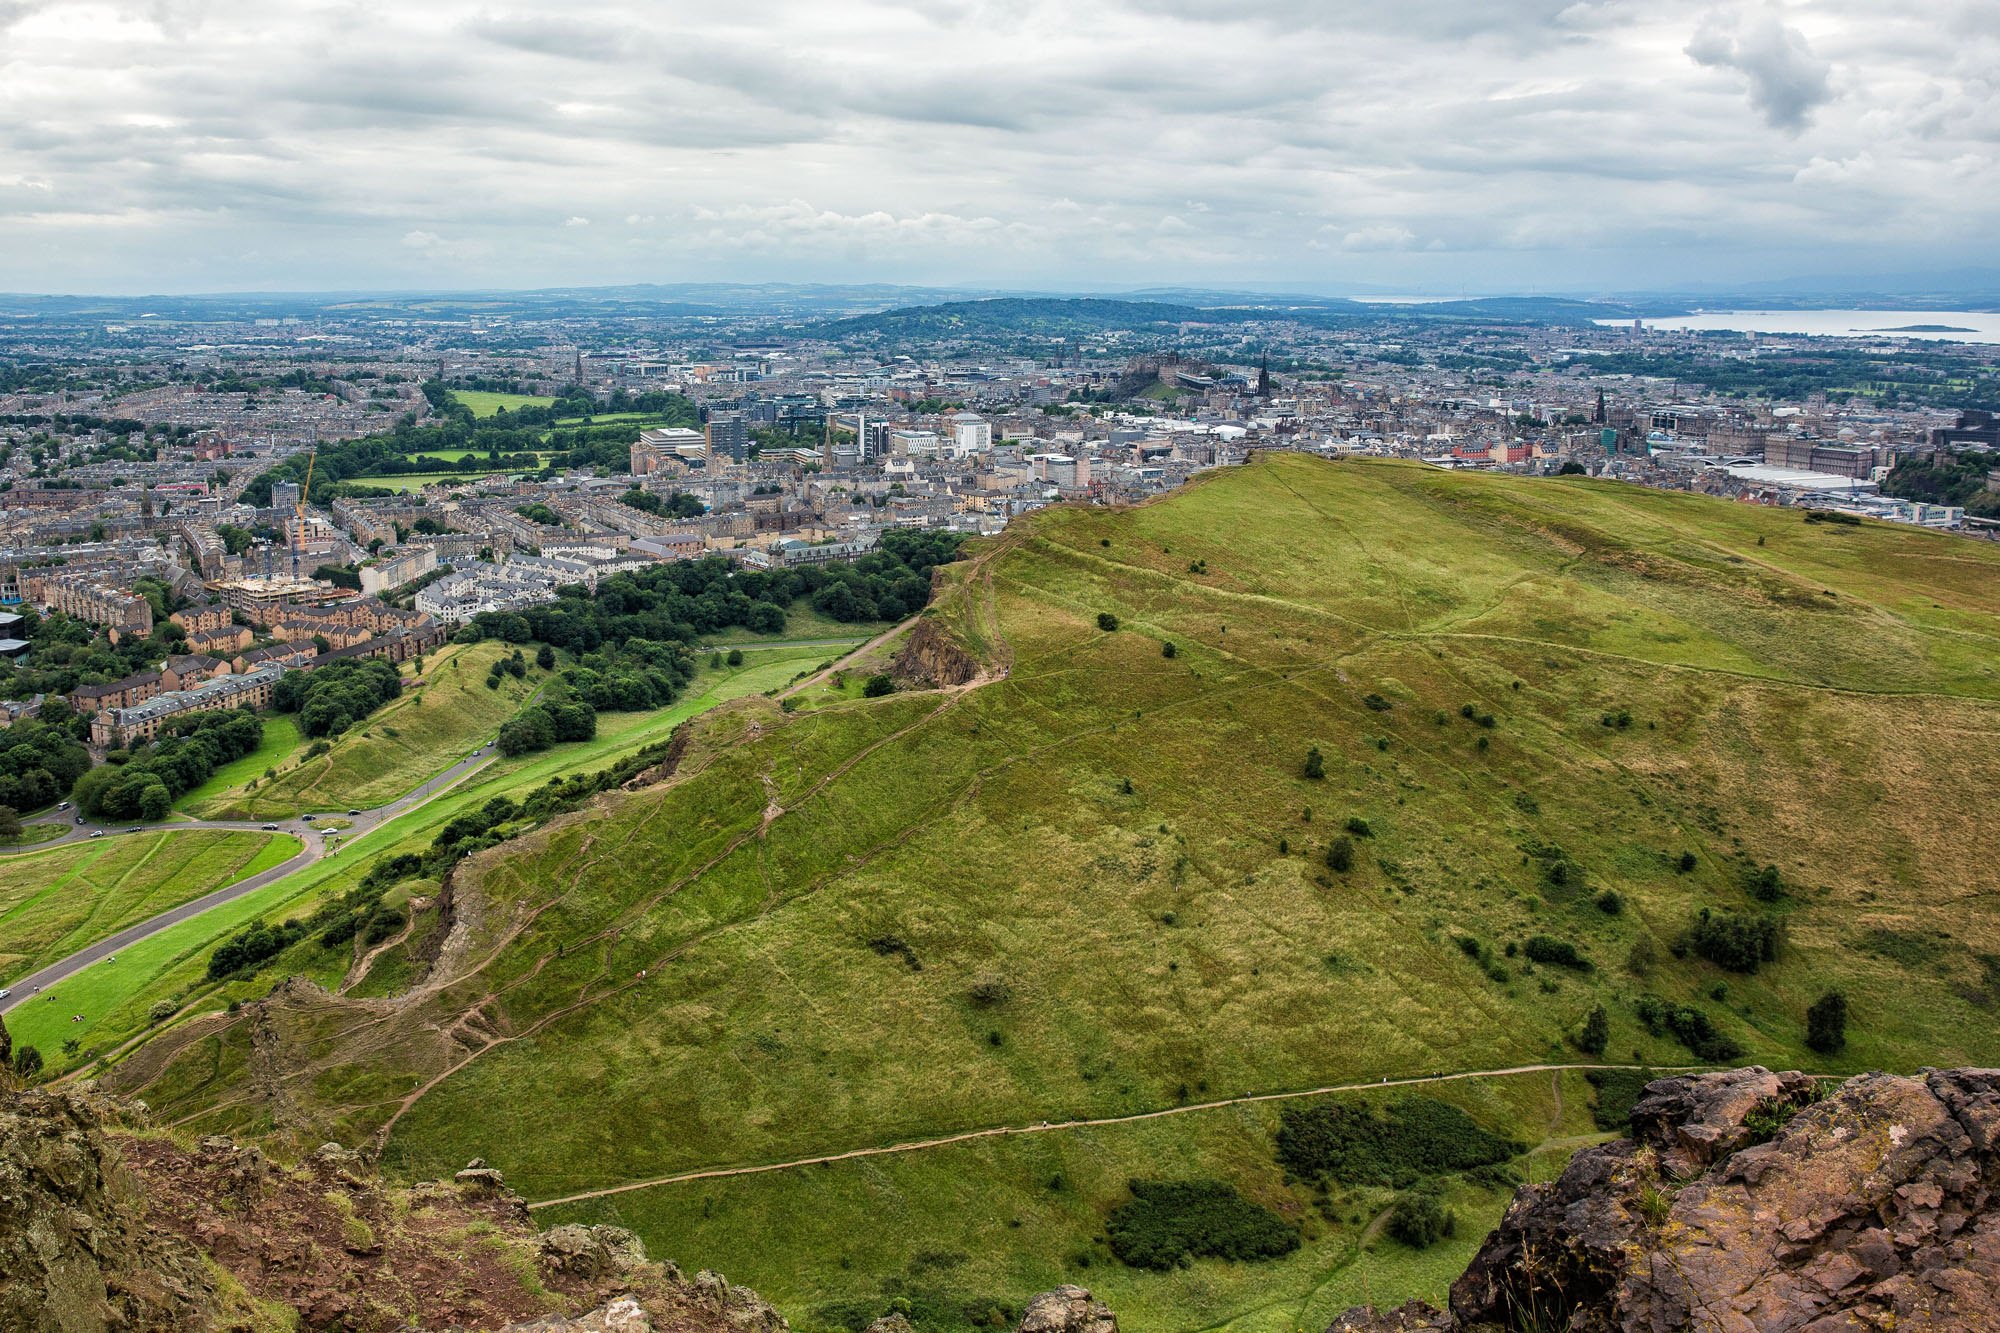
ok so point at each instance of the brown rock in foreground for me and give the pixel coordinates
(1753, 1202)
(106, 1224)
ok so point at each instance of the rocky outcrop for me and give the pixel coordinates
(1067, 1310)
(1748, 1201)
(932, 657)
(106, 1225)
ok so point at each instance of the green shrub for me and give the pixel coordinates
(1315, 764)
(1738, 943)
(1617, 1092)
(1596, 1032)
(1556, 953)
(1610, 902)
(1765, 884)
(1689, 1026)
(1414, 1137)
(1359, 827)
(1167, 649)
(1686, 863)
(1826, 1023)
(1107, 622)
(1166, 1223)
(1340, 855)
(878, 685)
(1420, 1221)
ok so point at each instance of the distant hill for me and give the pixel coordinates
(1307, 775)
(1048, 316)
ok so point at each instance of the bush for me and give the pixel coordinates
(1107, 622)
(1165, 1223)
(1359, 827)
(877, 685)
(1610, 902)
(989, 992)
(1420, 1221)
(735, 657)
(1826, 1023)
(1686, 863)
(1617, 1091)
(161, 1011)
(1557, 953)
(1689, 1026)
(1414, 1137)
(1737, 943)
(1315, 764)
(254, 944)
(1596, 1033)
(1340, 855)
(1765, 884)
(1167, 649)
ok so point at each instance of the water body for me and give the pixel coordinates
(1978, 326)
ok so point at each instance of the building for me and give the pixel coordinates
(82, 597)
(789, 552)
(116, 727)
(728, 436)
(378, 578)
(664, 449)
(971, 434)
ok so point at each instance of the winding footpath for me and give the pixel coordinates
(1052, 1126)
(311, 852)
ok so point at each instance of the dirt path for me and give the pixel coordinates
(1052, 1126)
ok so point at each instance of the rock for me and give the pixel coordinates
(896, 1322)
(482, 1177)
(591, 1252)
(623, 1315)
(1876, 1207)
(1067, 1309)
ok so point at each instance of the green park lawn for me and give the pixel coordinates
(484, 404)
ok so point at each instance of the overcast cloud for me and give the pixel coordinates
(183, 145)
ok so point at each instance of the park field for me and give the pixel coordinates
(1309, 774)
(280, 742)
(489, 404)
(115, 998)
(422, 732)
(57, 901)
(416, 481)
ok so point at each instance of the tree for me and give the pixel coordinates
(877, 686)
(1340, 855)
(6, 1044)
(10, 822)
(1420, 1221)
(27, 1062)
(545, 657)
(1315, 764)
(1596, 1033)
(1167, 649)
(1826, 1023)
(735, 657)
(1107, 622)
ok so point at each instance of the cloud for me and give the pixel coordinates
(1787, 81)
(575, 221)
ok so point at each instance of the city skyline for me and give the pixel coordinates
(168, 147)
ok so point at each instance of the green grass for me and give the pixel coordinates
(416, 481)
(280, 741)
(483, 404)
(454, 455)
(57, 901)
(115, 997)
(1122, 839)
(34, 833)
(421, 733)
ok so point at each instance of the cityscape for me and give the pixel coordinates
(872, 668)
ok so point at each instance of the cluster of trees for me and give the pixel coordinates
(631, 640)
(1687, 1025)
(144, 783)
(1738, 943)
(1952, 479)
(678, 505)
(1413, 1138)
(1166, 1224)
(559, 716)
(334, 697)
(40, 760)
(67, 653)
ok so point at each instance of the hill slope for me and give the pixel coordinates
(1094, 881)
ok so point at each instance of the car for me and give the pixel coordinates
(353, 812)
(5, 993)
(79, 820)
(62, 805)
(270, 828)
(308, 818)
(97, 833)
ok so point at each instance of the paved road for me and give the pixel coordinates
(315, 848)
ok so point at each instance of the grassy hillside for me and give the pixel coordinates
(54, 902)
(1096, 883)
(428, 728)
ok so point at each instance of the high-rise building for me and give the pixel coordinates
(728, 436)
(971, 434)
(284, 495)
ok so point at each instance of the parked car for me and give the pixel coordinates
(97, 833)
(270, 828)
(308, 818)
(353, 812)
(62, 805)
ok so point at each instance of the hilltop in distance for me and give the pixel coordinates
(1309, 775)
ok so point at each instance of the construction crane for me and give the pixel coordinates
(299, 509)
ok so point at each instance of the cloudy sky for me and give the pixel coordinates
(200, 145)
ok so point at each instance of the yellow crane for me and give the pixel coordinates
(299, 509)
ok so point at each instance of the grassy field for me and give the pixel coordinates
(281, 741)
(116, 997)
(416, 481)
(427, 729)
(33, 833)
(488, 404)
(54, 902)
(1098, 884)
